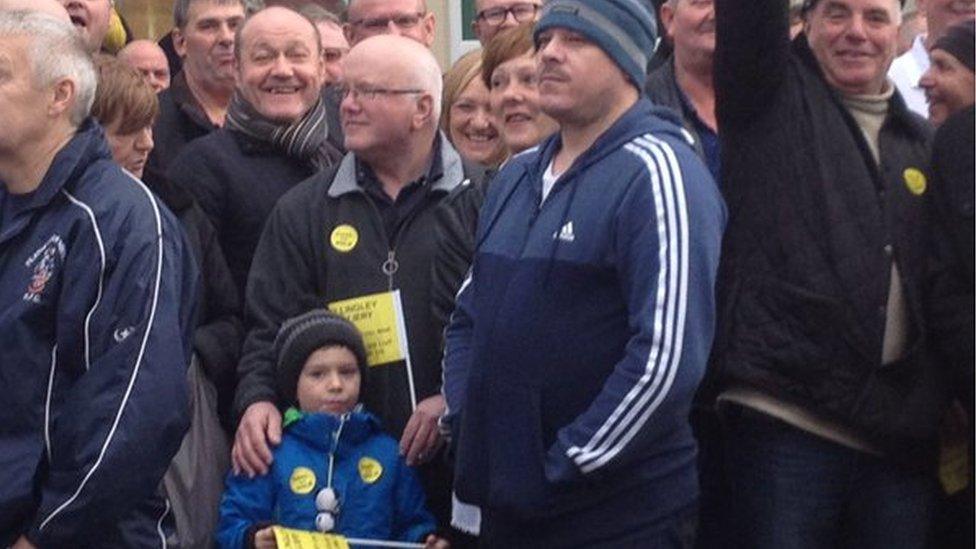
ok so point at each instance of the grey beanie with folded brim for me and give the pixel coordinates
(626, 30)
(301, 336)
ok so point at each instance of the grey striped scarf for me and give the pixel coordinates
(305, 139)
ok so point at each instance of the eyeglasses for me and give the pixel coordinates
(372, 93)
(523, 12)
(380, 24)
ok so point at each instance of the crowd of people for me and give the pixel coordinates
(632, 273)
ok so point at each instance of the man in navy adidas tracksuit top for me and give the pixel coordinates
(584, 329)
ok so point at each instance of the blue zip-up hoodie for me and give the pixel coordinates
(97, 291)
(581, 336)
(379, 496)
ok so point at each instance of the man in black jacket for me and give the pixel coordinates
(831, 401)
(362, 228)
(275, 135)
(198, 96)
(684, 82)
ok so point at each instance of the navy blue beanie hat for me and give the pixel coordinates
(302, 335)
(625, 29)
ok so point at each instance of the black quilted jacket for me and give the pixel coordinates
(814, 227)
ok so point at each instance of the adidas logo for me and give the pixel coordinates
(566, 233)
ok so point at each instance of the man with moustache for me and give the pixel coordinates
(361, 228)
(583, 329)
(830, 400)
(199, 95)
(150, 60)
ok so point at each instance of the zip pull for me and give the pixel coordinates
(390, 267)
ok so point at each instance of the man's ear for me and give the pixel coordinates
(179, 42)
(667, 17)
(63, 94)
(430, 28)
(425, 112)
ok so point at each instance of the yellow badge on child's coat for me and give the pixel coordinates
(302, 480)
(370, 470)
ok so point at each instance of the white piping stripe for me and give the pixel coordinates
(628, 428)
(135, 370)
(602, 448)
(660, 148)
(47, 402)
(457, 296)
(657, 344)
(604, 454)
(101, 275)
(159, 525)
(658, 363)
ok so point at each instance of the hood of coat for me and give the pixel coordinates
(642, 118)
(84, 149)
(328, 432)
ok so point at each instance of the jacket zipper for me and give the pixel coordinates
(392, 265)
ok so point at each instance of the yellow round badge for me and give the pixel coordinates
(302, 480)
(370, 470)
(344, 238)
(915, 181)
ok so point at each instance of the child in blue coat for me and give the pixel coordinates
(335, 469)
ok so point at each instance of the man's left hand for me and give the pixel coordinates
(421, 439)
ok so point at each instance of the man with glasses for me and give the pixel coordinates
(363, 228)
(408, 18)
(496, 15)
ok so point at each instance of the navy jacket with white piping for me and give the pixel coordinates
(97, 289)
(581, 336)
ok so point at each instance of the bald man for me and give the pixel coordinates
(50, 7)
(372, 220)
(150, 60)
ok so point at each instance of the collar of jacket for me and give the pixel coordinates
(318, 430)
(663, 90)
(85, 147)
(345, 178)
(187, 103)
(642, 118)
(898, 110)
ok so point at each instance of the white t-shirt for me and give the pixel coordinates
(907, 70)
(549, 179)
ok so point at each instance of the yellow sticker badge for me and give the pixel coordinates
(344, 238)
(370, 470)
(915, 181)
(302, 480)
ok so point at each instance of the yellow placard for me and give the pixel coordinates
(380, 319)
(286, 538)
